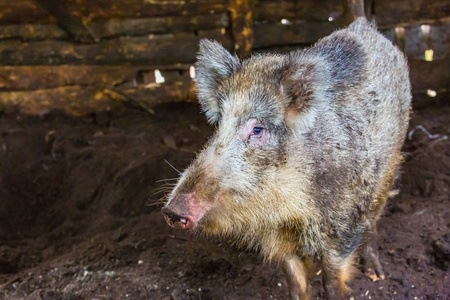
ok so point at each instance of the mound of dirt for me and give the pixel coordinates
(80, 201)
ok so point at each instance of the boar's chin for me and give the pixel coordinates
(216, 223)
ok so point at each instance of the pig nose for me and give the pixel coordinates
(176, 220)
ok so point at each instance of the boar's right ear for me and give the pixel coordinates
(214, 64)
(305, 81)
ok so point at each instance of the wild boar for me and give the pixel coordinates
(306, 150)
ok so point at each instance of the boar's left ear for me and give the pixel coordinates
(214, 64)
(304, 81)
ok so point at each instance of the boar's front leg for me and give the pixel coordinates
(336, 271)
(370, 261)
(297, 276)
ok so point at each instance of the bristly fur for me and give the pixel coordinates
(305, 153)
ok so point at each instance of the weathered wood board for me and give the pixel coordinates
(316, 10)
(153, 49)
(298, 32)
(391, 13)
(29, 11)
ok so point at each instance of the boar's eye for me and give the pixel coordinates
(257, 131)
(254, 133)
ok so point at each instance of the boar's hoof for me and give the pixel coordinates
(371, 262)
(176, 221)
(374, 275)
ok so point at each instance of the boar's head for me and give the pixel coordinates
(246, 177)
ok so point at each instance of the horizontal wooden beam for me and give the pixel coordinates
(157, 94)
(24, 78)
(29, 12)
(32, 32)
(101, 10)
(74, 100)
(150, 50)
(299, 32)
(82, 100)
(390, 13)
(311, 10)
(119, 27)
(159, 25)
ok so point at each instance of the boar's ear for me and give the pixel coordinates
(214, 64)
(304, 81)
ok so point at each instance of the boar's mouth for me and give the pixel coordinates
(177, 221)
(184, 211)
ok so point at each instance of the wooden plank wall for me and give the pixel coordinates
(82, 56)
(106, 56)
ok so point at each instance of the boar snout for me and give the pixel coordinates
(184, 211)
(177, 220)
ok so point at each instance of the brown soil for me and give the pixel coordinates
(79, 217)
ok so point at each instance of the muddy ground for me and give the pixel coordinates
(79, 214)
